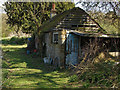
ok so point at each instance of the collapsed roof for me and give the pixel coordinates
(75, 19)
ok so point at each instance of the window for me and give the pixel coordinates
(55, 37)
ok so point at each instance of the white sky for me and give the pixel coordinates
(2, 2)
(1, 9)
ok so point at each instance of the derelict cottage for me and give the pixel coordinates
(65, 36)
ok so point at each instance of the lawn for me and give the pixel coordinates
(28, 71)
(25, 71)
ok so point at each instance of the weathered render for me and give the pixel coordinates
(64, 35)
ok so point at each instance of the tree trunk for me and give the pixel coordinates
(18, 31)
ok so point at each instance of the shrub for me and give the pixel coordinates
(15, 41)
(73, 78)
(86, 85)
(103, 74)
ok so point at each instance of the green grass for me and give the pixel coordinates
(26, 71)
(14, 41)
(23, 71)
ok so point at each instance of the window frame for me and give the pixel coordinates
(55, 41)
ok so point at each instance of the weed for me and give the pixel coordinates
(86, 85)
(104, 74)
(73, 78)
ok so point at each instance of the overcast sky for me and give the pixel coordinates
(2, 2)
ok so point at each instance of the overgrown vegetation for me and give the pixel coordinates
(102, 74)
(73, 78)
(98, 68)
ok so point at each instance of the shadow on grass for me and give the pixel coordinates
(31, 69)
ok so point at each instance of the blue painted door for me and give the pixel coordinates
(71, 49)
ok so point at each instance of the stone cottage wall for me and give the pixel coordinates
(56, 52)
